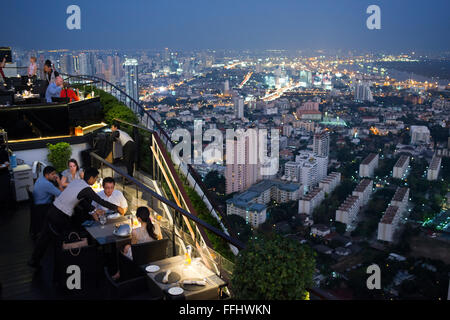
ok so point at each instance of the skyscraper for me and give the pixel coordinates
(85, 64)
(131, 78)
(226, 87)
(239, 107)
(66, 64)
(322, 144)
(240, 172)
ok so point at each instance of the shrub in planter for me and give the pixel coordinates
(59, 154)
(275, 268)
(120, 111)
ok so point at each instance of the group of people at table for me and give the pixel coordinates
(55, 87)
(56, 200)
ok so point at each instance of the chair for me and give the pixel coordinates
(144, 253)
(132, 289)
(86, 259)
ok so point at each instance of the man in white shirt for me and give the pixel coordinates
(111, 195)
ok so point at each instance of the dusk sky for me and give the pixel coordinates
(232, 24)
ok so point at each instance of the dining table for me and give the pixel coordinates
(180, 272)
(103, 234)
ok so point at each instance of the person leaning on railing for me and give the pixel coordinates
(60, 213)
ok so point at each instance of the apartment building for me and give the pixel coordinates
(368, 165)
(401, 167)
(310, 201)
(329, 183)
(434, 168)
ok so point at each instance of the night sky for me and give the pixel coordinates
(227, 24)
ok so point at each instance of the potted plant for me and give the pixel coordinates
(275, 268)
(59, 154)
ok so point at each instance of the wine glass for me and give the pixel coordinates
(102, 219)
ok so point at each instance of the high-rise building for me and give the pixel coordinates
(131, 78)
(76, 64)
(362, 92)
(322, 144)
(118, 70)
(240, 173)
(85, 64)
(239, 107)
(66, 64)
(226, 87)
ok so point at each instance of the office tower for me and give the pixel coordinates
(322, 144)
(362, 92)
(239, 107)
(131, 78)
(239, 177)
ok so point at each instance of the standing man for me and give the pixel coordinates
(49, 74)
(128, 146)
(62, 209)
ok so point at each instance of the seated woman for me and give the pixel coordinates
(72, 173)
(145, 233)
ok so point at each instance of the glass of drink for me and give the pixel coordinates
(102, 219)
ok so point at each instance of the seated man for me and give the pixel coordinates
(68, 92)
(54, 89)
(43, 194)
(111, 195)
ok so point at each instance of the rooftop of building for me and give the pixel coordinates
(401, 161)
(361, 187)
(369, 159)
(389, 215)
(400, 194)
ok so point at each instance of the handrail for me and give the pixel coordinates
(171, 204)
